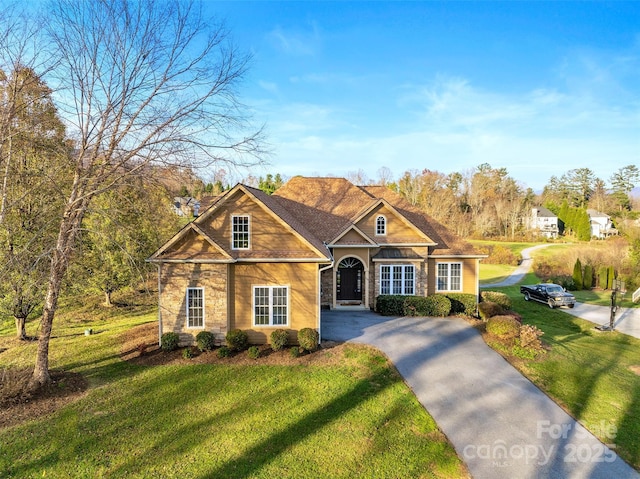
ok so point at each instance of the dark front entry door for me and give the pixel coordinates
(349, 287)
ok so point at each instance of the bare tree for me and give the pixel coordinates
(139, 82)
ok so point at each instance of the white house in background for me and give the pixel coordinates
(543, 221)
(186, 206)
(601, 225)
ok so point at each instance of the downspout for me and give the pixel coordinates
(320, 299)
(159, 305)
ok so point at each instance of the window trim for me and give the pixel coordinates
(187, 307)
(234, 233)
(384, 225)
(449, 264)
(270, 288)
(403, 279)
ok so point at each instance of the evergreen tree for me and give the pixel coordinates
(577, 274)
(587, 278)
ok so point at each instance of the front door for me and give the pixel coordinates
(349, 280)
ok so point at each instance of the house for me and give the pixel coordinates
(601, 225)
(543, 221)
(186, 206)
(258, 262)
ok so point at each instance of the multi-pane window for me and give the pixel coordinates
(397, 279)
(240, 232)
(449, 277)
(381, 226)
(270, 305)
(195, 307)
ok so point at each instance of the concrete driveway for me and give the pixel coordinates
(501, 425)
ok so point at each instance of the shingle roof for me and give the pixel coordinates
(328, 206)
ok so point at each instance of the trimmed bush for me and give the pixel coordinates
(169, 341)
(489, 309)
(223, 352)
(400, 305)
(187, 353)
(253, 352)
(279, 339)
(496, 297)
(237, 340)
(390, 305)
(205, 340)
(414, 306)
(463, 303)
(504, 327)
(308, 339)
(437, 305)
(294, 352)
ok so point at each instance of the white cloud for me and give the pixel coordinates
(299, 42)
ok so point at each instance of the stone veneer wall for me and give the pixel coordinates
(174, 281)
(421, 279)
(326, 278)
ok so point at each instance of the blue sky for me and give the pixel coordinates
(539, 88)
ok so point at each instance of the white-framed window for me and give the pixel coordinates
(397, 279)
(270, 305)
(195, 307)
(449, 277)
(381, 225)
(240, 232)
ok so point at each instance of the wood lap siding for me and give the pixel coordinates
(302, 280)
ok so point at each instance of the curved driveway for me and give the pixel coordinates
(501, 425)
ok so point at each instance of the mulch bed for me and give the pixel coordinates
(140, 346)
(17, 406)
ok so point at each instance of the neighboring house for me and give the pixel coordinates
(543, 221)
(601, 225)
(186, 206)
(258, 262)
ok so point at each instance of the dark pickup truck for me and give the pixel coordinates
(552, 294)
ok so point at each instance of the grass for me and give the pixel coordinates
(593, 375)
(352, 419)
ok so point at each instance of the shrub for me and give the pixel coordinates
(223, 352)
(530, 337)
(437, 305)
(187, 353)
(577, 274)
(504, 327)
(308, 339)
(253, 352)
(496, 297)
(501, 255)
(587, 279)
(603, 273)
(488, 309)
(205, 340)
(279, 339)
(390, 305)
(169, 341)
(463, 303)
(294, 352)
(414, 305)
(565, 281)
(237, 340)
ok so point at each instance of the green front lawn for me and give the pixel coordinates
(353, 417)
